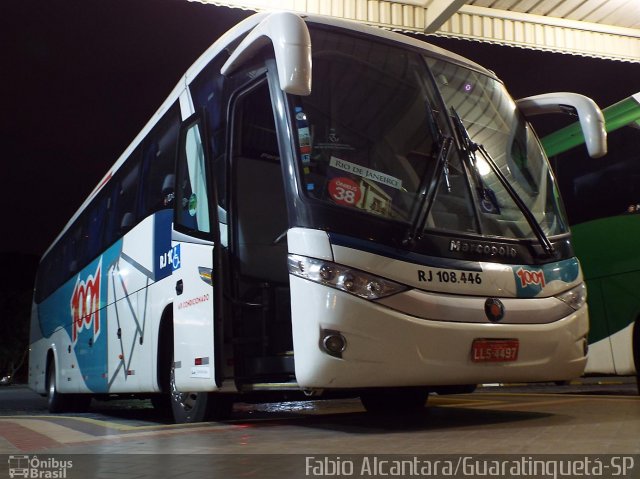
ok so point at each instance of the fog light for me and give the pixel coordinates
(333, 342)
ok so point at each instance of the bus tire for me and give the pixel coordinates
(58, 402)
(188, 407)
(409, 400)
(162, 401)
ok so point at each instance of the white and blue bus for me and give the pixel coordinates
(319, 207)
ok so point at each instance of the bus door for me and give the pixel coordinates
(194, 239)
(263, 350)
(256, 299)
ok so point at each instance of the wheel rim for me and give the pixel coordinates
(186, 401)
(52, 383)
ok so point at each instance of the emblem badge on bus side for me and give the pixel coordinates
(494, 309)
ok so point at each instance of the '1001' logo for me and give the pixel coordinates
(85, 305)
(530, 277)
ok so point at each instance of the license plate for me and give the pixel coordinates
(494, 350)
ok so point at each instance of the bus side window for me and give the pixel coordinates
(159, 161)
(76, 244)
(192, 198)
(208, 94)
(95, 227)
(123, 204)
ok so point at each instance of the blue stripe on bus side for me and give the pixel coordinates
(73, 308)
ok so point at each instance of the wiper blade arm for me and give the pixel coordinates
(470, 147)
(526, 211)
(427, 192)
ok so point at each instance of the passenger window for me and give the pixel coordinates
(209, 95)
(123, 204)
(76, 247)
(192, 198)
(159, 162)
(95, 227)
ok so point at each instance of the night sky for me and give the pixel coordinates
(81, 78)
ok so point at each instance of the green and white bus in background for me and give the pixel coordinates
(602, 198)
(319, 207)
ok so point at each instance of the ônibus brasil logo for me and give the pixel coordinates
(85, 304)
(32, 467)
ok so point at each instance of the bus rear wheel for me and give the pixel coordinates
(394, 400)
(58, 402)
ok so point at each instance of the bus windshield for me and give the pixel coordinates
(371, 138)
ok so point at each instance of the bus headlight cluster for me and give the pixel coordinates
(576, 297)
(359, 283)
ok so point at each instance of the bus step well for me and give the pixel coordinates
(269, 365)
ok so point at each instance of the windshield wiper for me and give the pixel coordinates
(470, 147)
(429, 184)
(428, 192)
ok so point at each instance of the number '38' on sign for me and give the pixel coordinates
(345, 191)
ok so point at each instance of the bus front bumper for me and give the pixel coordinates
(387, 348)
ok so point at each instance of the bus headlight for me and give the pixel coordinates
(354, 281)
(576, 297)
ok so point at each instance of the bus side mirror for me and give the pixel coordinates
(590, 116)
(292, 46)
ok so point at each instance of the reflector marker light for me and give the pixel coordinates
(206, 274)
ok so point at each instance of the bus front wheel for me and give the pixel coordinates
(394, 400)
(188, 407)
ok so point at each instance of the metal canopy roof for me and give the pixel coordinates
(608, 29)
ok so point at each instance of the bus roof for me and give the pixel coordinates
(237, 32)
